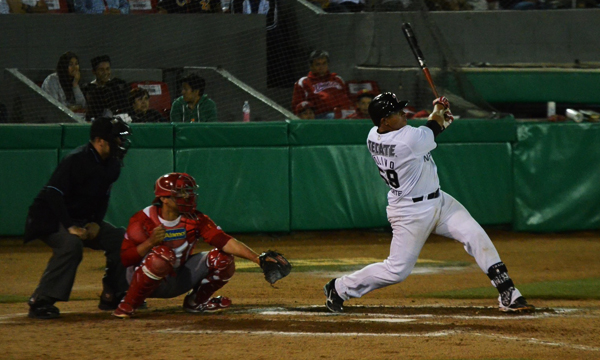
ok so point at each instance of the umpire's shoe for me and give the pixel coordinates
(520, 305)
(42, 307)
(334, 301)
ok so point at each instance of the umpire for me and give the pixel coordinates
(68, 214)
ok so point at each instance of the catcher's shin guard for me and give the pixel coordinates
(221, 267)
(146, 278)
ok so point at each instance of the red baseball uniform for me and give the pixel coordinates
(181, 235)
(325, 92)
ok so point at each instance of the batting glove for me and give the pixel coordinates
(443, 101)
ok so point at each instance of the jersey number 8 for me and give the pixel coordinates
(390, 177)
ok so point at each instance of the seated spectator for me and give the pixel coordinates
(105, 96)
(101, 6)
(305, 111)
(27, 6)
(325, 90)
(140, 112)
(262, 7)
(362, 106)
(193, 105)
(341, 6)
(189, 6)
(63, 85)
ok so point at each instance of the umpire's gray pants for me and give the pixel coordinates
(67, 253)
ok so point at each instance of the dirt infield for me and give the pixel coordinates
(290, 321)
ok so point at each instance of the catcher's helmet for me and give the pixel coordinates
(115, 131)
(383, 105)
(181, 186)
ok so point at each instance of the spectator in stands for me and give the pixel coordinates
(101, 6)
(140, 112)
(362, 106)
(26, 6)
(341, 6)
(325, 90)
(63, 85)
(189, 6)
(193, 105)
(105, 96)
(305, 111)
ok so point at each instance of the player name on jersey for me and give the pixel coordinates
(381, 149)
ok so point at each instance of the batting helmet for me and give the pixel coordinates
(383, 105)
(115, 131)
(179, 185)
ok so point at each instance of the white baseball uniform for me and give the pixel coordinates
(416, 208)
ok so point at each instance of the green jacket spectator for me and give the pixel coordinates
(193, 105)
(204, 111)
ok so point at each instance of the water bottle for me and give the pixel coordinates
(246, 111)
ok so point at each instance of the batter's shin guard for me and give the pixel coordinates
(221, 267)
(498, 274)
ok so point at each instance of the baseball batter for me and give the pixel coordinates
(417, 207)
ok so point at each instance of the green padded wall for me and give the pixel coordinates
(557, 177)
(24, 173)
(479, 176)
(28, 155)
(336, 187)
(243, 188)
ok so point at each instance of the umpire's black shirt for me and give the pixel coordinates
(76, 194)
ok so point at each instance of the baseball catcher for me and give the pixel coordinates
(158, 251)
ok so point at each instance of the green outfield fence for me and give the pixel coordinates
(314, 175)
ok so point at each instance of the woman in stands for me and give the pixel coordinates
(139, 101)
(63, 85)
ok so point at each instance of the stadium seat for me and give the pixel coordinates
(57, 6)
(357, 86)
(142, 6)
(160, 98)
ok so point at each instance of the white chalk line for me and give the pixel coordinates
(537, 341)
(299, 333)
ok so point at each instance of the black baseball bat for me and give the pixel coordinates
(414, 46)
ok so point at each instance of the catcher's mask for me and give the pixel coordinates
(115, 131)
(181, 186)
(384, 105)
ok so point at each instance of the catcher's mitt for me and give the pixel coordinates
(274, 270)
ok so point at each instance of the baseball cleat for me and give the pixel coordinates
(212, 305)
(520, 305)
(334, 301)
(123, 311)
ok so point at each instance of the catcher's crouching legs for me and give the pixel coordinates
(146, 278)
(221, 267)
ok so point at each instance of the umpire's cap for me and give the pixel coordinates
(383, 105)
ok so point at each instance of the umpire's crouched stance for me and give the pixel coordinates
(68, 214)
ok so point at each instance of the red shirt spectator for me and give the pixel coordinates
(325, 90)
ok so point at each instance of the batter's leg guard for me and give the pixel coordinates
(221, 267)
(146, 278)
(510, 299)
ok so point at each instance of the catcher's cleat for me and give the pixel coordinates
(334, 301)
(212, 305)
(520, 305)
(124, 311)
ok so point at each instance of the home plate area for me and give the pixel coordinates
(422, 321)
